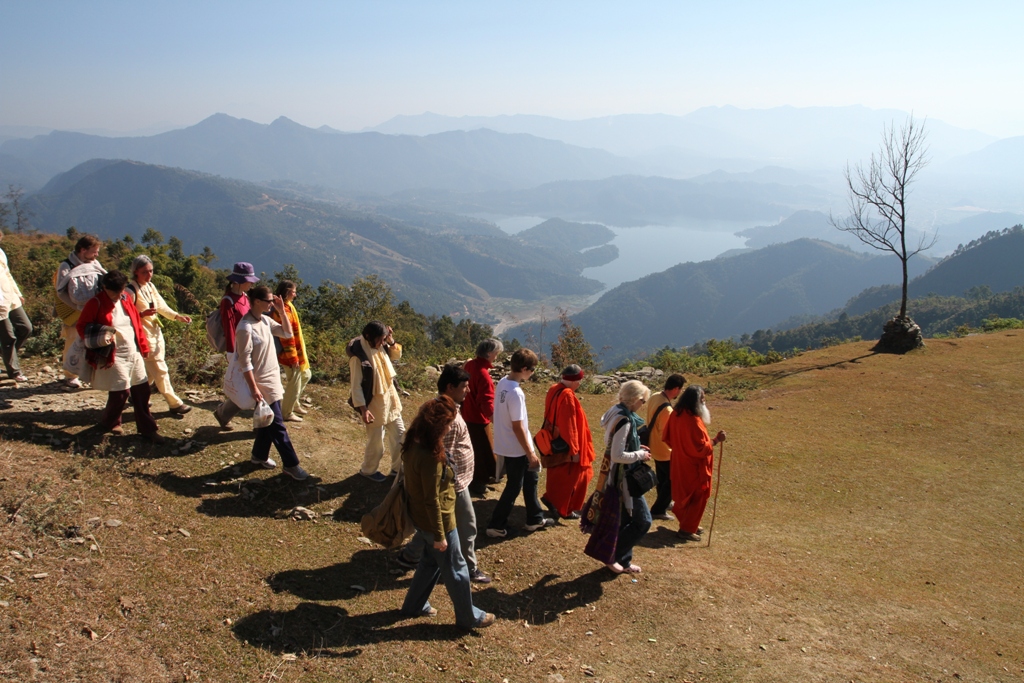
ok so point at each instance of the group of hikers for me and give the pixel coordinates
(471, 434)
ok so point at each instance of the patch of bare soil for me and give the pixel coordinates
(869, 528)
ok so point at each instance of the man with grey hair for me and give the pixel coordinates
(478, 409)
(149, 303)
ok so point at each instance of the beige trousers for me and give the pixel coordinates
(295, 380)
(158, 373)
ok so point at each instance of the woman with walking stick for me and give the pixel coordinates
(693, 453)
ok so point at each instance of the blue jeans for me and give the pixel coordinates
(450, 568)
(465, 524)
(519, 478)
(275, 433)
(631, 530)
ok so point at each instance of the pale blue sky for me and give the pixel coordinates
(128, 65)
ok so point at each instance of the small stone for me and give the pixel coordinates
(40, 576)
(364, 539)
(113, 523)
(185, 533)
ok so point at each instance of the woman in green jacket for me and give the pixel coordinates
(430, 485)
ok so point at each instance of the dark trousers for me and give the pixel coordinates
(631, 530)
(14, 330)
(111, 415)
(274, 433)
(483, 457)
(663, 469)
(519, 478)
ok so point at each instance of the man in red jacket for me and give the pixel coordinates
(567, 483)
(477, 411)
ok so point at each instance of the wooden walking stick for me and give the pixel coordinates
(718, 482)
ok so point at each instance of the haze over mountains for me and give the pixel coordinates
(413, 200)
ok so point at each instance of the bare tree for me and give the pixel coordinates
(21, 215)
(878, 196)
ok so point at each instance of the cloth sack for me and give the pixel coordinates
(640, 479)
(76, 364)
(605, 537)
(235, 387)
(262, 416)
(389, 524)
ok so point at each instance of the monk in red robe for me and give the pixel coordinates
(692, 460)
(567, 484)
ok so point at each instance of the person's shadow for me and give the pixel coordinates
(331, 631)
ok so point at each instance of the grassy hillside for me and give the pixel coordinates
(865, 531)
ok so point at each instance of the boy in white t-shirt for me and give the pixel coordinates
(512, 441)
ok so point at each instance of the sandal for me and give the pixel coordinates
(615, 568)
(631, 569)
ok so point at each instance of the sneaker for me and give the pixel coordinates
(73, 383)
(292, 417)
(296, 473)
(496, 533)
(486, 621)
(407, 564)
(551, 508)
(20, 378)
(182, 409)
(661, 515)
(376, 477)
(477, 576)
(542, 524)
(267, 464)
(301, 411)
(575, 514)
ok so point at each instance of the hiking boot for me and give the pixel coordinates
(542, 524)
(267, 464)
(486, 621)
(296, 473)
(477, 576)
(496, 533)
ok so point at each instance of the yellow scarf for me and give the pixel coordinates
(383, 370)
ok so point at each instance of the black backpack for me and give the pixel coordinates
(644, 432)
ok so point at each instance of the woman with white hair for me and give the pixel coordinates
(622, 447)
(149, 304)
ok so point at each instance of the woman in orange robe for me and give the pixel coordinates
(567, 484)
(692, 460)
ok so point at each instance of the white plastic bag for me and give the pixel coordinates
(262, 416)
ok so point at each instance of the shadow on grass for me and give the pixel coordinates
(367, 568)
(329, 631)
(771, 377)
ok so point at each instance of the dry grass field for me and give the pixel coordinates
(869, 528)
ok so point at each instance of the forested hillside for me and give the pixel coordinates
(244, 222)
(724, 297)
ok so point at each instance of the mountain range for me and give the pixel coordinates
(443, 273)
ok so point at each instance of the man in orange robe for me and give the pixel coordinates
(692, 460)
(567, 484)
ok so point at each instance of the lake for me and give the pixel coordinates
(653, 248)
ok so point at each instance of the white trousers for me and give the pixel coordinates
(376, 434)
